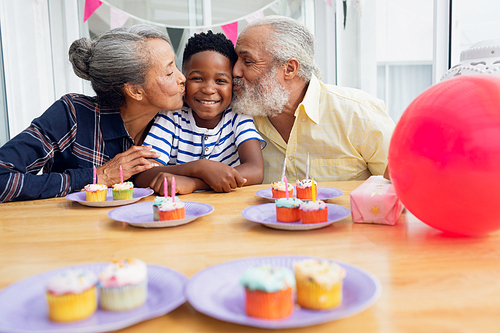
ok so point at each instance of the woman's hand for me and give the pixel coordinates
(132, 161)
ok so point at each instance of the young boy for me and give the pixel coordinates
(205, 145)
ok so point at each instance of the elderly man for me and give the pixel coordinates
(344, 131)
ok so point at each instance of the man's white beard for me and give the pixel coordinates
(266, 97)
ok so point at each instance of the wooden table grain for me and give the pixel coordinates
(431, 281)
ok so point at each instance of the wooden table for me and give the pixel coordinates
(431, 282)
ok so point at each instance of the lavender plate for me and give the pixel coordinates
(216, 292)
(23, 307)
(80, 197)
(141, 214)
(324, 193)
(266, 214)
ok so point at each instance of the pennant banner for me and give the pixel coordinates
(255, 16)
(117, 18)
(231, 31)
(90, 8)
(175, 36)
(329, 2)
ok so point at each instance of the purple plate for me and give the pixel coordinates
(141, 214)
(216, 292)
(138, 194)
(23, 306)
(324, 193)
(266, 214)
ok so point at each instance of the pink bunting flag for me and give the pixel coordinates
(329, 2)
(90, 8)
(117, 18)
(231, 31)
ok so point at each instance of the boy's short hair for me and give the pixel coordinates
(209, 42)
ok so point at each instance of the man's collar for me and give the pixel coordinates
(310, 103)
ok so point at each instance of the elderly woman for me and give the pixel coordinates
(133, 73)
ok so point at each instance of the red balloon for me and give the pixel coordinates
(444, 155)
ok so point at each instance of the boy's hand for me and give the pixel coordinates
(219, 176)
(183, 185)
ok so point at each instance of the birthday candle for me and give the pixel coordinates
(121, 174)
(284, 169)
(173, 189)
(165, 189)
(286, 188)
(313, 188)
(307, 167)
(95, 175)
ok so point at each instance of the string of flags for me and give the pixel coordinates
(119, 17)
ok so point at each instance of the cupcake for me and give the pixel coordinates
(287, 210)
(169, 210)
(123, 285)
(268, 291)
(157, 203)
(123, 191)
(71, 295)
(304, 188)
(278, 190)
(313, 212)
(96, 192)
(319, 283)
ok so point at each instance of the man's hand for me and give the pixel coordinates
(132, 161)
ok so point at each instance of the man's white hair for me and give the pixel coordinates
(290, 39)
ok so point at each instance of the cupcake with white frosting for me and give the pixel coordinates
(279, 189)
(123, 191)
(313, 212)
(319, 283)
(123, 285)
(96, 192)
(71, 295)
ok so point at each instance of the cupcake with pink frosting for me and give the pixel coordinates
(123, 285)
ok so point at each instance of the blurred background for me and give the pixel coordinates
(392, 49)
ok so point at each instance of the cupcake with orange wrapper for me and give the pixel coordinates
(304, 188)
(279, 190)
(123, 285)
(157, 203)
(268, 291)
(319, 283)
(171, 208)
(287, 209)
(94, 191)
(72, 295)
(313, 212)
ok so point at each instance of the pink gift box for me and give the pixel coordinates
(375, 201)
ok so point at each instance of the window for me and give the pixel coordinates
(4, 124)
(386, 49)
